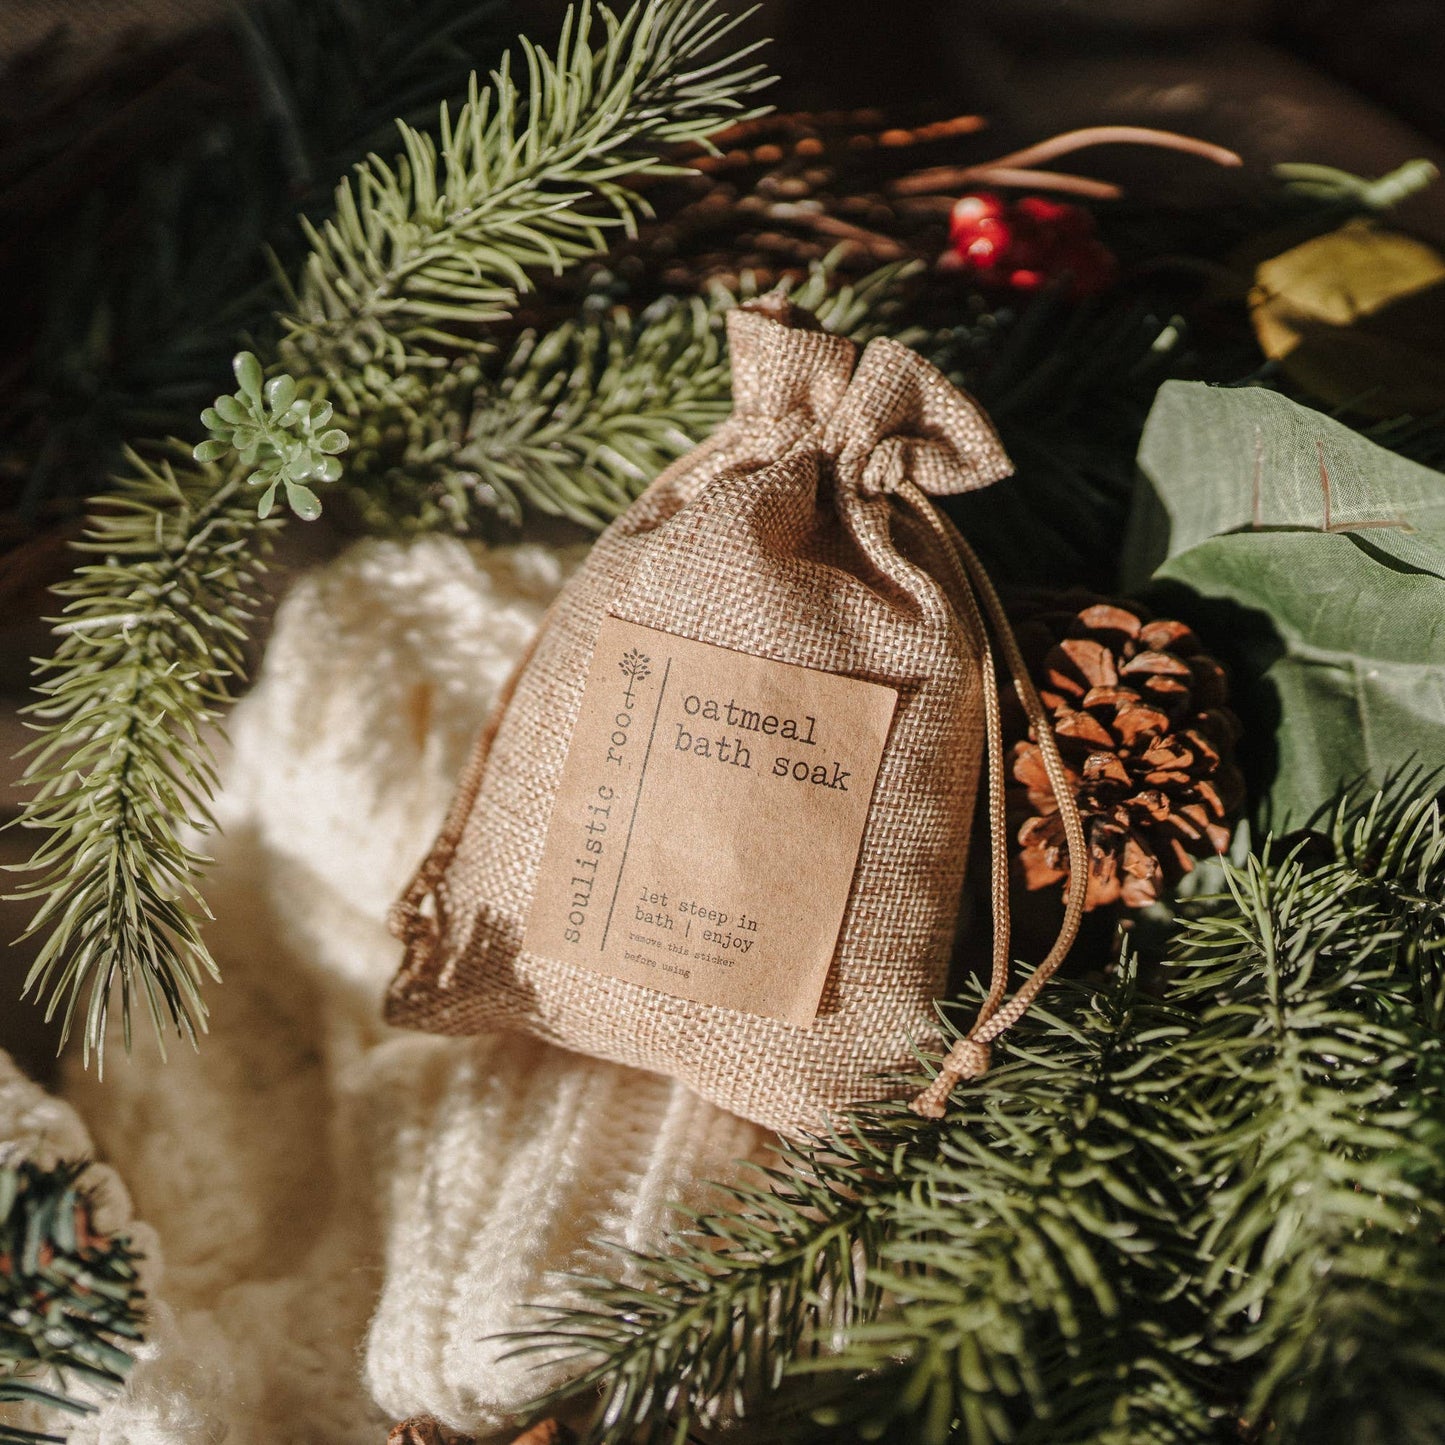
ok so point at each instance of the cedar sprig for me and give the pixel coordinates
(70, 1297)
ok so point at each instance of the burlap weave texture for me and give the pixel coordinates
(779, 537)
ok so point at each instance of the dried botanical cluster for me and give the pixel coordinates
(1140, 713)
(71, 1304)
(781, 193)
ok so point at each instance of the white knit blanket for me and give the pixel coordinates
(350, 1215)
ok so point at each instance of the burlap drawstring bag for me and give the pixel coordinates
(718, 825)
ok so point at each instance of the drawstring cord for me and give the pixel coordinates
(970, 1056)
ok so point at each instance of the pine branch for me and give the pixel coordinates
(1016, 1253)
(150, 648)
(151, 640)
(576, 421)
(420, 254)
(712, 1330)
(1316, 1068)
(580, 420)
(1156, 1219)
(1035, 1250)
(70, 1300)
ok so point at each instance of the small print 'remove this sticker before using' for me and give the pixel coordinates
(707, 827)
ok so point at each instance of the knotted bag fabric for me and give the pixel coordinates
(719, 825)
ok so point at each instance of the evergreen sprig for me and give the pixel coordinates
(933, 1282)
(421, 253)
(1212, 1217)
(580, 419)
(151, 644)
(70, 1298)
(1314, 1076)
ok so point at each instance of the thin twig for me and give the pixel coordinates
(1017, 168)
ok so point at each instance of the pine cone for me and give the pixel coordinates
(1139, 712)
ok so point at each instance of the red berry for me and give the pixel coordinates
(981, 206)
(1027, 244)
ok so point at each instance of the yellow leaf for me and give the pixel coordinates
(1357, 318)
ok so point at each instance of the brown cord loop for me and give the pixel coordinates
(970, 1056)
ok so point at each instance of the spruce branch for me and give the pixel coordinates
(70, 1298)
(1001, 1265)
(151, 641)
(1316, 1071)
(421, 253)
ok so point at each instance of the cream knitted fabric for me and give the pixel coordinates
(310, 1169)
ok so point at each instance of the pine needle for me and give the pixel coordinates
(422, 252)
(70, 1298)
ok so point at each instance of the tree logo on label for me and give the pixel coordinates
(636, 665)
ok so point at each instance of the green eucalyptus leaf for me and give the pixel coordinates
(333, 442)
(304, 502)
(330, 470)
(212, 420)
(268, 500)
(249, 375)
(211, 451)
(231, 411)
(280, 393)
(1336, 638)
(320, 413)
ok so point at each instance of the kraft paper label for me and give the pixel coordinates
(707, 828)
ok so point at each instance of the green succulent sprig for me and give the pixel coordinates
(281, 438)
